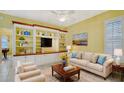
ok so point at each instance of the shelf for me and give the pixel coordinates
(38, 47)
(46, 36)
(24, 46)
(40, 53)
(24, 40)
(24, 36)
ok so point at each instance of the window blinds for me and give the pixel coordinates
(113, 35)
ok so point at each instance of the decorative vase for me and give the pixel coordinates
(63, 63)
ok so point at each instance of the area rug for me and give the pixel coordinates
(84, 76)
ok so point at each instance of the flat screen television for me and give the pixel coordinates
(46, 42)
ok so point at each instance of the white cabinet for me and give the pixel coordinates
(25, 59)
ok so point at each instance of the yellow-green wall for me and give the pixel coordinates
(6, 26)
(95, 28)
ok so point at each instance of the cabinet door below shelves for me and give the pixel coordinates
(25, 59)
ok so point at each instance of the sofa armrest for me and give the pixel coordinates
(108, 62)
(107, 67)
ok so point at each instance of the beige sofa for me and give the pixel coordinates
(29, 73)
(84, 61)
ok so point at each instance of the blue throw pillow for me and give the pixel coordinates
(74, 54)
(101, 60)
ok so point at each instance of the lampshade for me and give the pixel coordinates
(68, 47)
(118, 52)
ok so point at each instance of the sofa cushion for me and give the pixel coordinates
(101, 60)
(73, 54)
(87, 55)
(78, 56)
(82, 54)
(94, 58)
(79, 61)
(97, 67)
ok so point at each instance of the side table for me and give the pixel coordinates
(119, 69)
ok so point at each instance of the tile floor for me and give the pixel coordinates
(7, 71)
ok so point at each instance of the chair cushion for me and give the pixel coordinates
(97, 67)
(29, 74)
(29, 68)
(87, 55)
(39, 78)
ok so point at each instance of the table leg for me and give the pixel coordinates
(64, 79)
(79, 75)
(112, 75)
(52, 71)
(121, 76)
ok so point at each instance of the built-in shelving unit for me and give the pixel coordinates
(62, 44)
(27, 39)
(24, 41)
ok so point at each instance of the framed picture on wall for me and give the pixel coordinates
(80, 39)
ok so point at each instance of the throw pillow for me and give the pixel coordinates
(94, 58)
(73, 55)
(101, 60)
(79, 55)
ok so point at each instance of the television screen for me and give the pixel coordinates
(46, 42)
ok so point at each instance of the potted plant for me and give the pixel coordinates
(64, 59)
(21, 41)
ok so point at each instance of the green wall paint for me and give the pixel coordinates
(6, 26)
(95, 28)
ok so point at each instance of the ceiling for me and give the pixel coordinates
(49, 17)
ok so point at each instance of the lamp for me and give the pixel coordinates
(68, 48)
(118, 53)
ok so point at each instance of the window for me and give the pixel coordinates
(113, 35)
(4, 42)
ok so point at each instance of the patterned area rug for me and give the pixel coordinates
(84, 76)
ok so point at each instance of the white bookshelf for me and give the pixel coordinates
(34, 39)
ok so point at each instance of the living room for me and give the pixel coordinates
(61, 45)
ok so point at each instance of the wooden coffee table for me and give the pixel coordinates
(58, 68)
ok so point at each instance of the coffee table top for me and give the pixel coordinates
(59, 69)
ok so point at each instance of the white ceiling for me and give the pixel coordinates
(49, 17)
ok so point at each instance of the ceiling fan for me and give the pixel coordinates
(63, 15)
